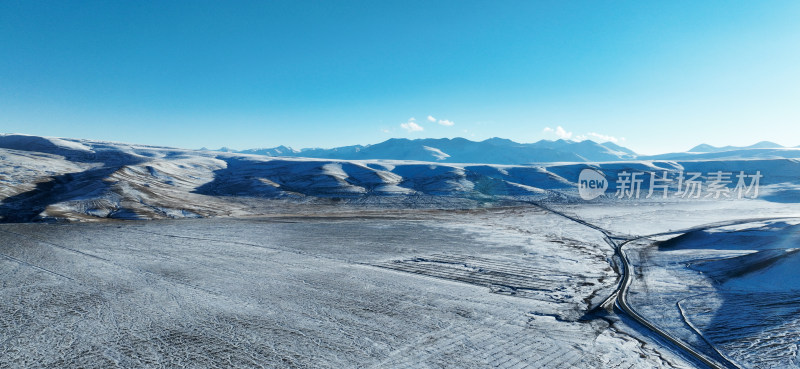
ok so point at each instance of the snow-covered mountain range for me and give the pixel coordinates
(760, 150)
(504, 151)
(461, 150)
(57, 178)
(705, 148)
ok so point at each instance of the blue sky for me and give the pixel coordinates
(663, 75)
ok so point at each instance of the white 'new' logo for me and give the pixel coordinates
(591, 184)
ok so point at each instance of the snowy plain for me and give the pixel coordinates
(138, 256)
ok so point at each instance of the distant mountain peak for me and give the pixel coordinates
(494, 150)
(706, 148)
(765, 145)
(703, 148)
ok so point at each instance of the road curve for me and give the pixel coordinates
(621, 303)
(620, 294)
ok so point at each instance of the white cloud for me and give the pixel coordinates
(411, 126)
(385, 130)
(603, 138)
(445, 122)
(559, 131)
(431, 119)
(562, 133)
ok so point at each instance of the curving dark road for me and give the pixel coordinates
(619, 296)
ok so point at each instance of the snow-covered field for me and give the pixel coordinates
(252, 261)
(484, 288)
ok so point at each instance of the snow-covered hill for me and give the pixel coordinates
(55, 178)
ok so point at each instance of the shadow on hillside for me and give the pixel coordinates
(274, 178)
(26, 206)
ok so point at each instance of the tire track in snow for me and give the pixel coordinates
(11, 258)
(135, 270)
